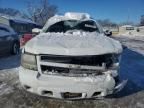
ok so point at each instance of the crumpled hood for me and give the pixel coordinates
(73, 44)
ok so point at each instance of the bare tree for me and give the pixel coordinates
(41, 12)
(10, 12)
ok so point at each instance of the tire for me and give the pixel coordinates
(15, 48)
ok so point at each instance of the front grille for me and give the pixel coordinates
(75, 65)
(52, 70)
(94, 60)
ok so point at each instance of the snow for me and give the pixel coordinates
(5, 89)
(127, 26)
(68, 16)
(8, 73)
(90, 79)
(134, 43)
(77, 43)
(8, 77)
(21, 20)
(78, 16)
(132, 34)
(132, 68)
(36, 30)
(72, 42)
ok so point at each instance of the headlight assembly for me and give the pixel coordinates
(28, 61)
(116, 58)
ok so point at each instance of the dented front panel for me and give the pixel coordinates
(72, 64)
(87, 83)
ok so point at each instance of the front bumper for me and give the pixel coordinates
(68, 87)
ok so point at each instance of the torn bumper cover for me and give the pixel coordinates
(65, 87)
(74, 61)
(120, 86)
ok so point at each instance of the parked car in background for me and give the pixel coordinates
(9, 40)
(26, 37)
(20, 25)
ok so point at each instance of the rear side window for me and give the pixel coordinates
(4, 32)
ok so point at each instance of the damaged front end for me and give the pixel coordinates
(79, 65)
(84, 66)
(73, 77)
(71, 59)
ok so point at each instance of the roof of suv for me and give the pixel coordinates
(67, 16)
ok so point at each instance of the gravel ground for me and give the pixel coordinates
(132, 68)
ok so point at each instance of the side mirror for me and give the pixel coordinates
(36, 31)
(108, 33)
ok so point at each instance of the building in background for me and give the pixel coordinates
(20, 25)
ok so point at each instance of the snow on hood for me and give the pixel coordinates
(77, 43)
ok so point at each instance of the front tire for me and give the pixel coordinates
(15, 48)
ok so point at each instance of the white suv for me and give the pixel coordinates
(71, 58)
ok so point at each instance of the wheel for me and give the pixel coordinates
(15, 49)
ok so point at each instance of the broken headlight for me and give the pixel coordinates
(116, 58)
(28, 61)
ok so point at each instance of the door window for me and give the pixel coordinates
(3, 31)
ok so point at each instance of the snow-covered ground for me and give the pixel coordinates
(135, 43)
(132, 33)
(132, 68)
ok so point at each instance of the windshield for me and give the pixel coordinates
(68, 25)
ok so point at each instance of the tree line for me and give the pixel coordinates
(38, 13)
(43, 10)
